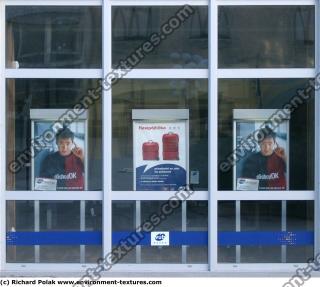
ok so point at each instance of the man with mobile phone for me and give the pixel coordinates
(67, 164)
(268, 166)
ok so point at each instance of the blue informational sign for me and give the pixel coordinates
(160, 177)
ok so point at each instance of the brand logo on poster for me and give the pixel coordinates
(160, 238)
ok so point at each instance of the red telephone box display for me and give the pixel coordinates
(170, 142)
(150, 150)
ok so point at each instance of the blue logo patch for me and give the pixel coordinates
(160, 236)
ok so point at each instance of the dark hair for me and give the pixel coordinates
(267, 133)
(64, 133)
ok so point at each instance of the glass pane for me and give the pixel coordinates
(93, 222)
(54, 139)
(300, 216)
(226, 222)
(185, 47)
(266, 36)
(124, 220)
(240, 145)
(53, 37)
(159, 94)
(20, 218)
(60, 216)
(161, 254)
(260, 216)
(265, 231)
(197, 221)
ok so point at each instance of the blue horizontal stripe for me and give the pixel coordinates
(55, 238)
(245, 238)
(177, 238)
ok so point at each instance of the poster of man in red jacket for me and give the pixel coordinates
(268, 166)
(62, 167)
(261, 144)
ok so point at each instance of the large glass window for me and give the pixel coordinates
(265, 231)
(177, 37)
(183, 224)
(53, 37)
(254, 111)
(48, 122)
(266, 36)
(124, 222)
(197, 222)
(54, 231)
(19, 218)
(161, 95)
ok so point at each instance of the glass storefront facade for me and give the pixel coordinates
(184, 133)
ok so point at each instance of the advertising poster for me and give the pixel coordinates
(160, 150)
(262, 149)
(59, 164)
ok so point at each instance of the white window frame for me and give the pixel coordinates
(107, 196)
(215, 195)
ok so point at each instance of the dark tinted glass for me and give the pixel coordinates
(186, 47)
(53, 37)
(266, 36)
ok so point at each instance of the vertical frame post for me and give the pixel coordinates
(107, 129)
(213, 136)
(3, 138)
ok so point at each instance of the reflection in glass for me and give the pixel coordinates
(124, 219)
(53, 37)
(59, 216)
(197, 220)
(266, 219)
(186, 48)
(260, 216)
(226, 222)
(268, 94)
(266, 36)
(161, 254)
(49, 95)
(19, 217)
(300, 216)
(158, 94)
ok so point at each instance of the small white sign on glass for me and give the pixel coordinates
(160, 238)
(42, 183)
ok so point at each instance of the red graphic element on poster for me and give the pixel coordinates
(170, 143)
(150, 150)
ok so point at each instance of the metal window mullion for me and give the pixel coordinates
(263, 73)
(107, 130)
(53, 195)
(184, 249)
(164, 74)
(3, 139)
(317, 135)
(213, 137)
(53, 2)
(238, 229)
(137, 228)
(283, 228)
(160, 196)
(46, 73)
(82, 228)
(264, 2)
(37, 229)
(159, 2)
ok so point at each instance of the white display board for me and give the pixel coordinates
(160, 149)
